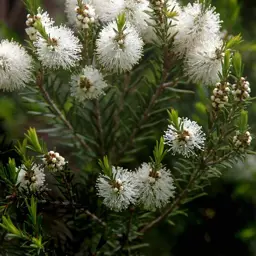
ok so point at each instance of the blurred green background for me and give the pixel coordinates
(222, 224)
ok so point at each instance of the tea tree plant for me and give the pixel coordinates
(109, 83)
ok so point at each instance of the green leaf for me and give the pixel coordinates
(234, 41)
(237, 64)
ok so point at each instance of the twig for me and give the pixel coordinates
(146, 113)
(47, 98)
(67, 203)
(94, 217)
(99, 127)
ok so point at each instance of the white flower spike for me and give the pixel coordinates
(196, 24)
(108, 10)
(186, 139)
(119, 51)
(31, 180)
(156, 187)
(15, 66)
(120, 192)
(87, 85)
(204, 62)
(61, 50)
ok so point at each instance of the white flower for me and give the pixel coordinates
(61, 49)
(119, 51)
(87, 85)
(45, 20)
(204, 62)
(196, 24)
(31, 180)
(135, 13)
(186, 139)
(108, 10)
(54, 161)
(15, 66)
(120, 192)
(70, 9)
(156, 188)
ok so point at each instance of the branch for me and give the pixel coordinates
(99, 127)
(67, 203)
(56, 110)
(146, 113)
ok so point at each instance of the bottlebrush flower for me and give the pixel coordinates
(185, 139)
(70, 10)
(136, 14)
(15, 66)
(119, 50)
(108, 10)
(119, 192)
(204, 62)
(87, 85)
(31, 179)
(156, 187)
(196, 24)
(60, 50)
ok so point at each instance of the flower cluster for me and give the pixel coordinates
(155, 187)
(118, 192)
(220, 95)
(198, 40)
(185, 138)
(53, 161)
(31, 179)
(85, 15)
(108, 10)
(146, 187)
(136, 12)
(241, 90)
(43, 18)
(119, 49)
(87, 85)
(60, 49)
(203, 63)
(242, 140)
(15, 66)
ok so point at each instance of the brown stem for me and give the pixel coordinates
(94, 217)
(66, 203)
(53, 106)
